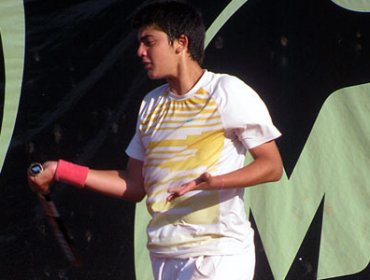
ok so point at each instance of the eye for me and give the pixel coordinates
(149, 42)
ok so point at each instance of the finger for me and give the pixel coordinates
(172, 196)
(31, 183)
(36, 185)
(204, 177)
(179, 190)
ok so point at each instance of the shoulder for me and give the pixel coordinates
(226, 86)
(153, 97)
(229, 83)
(156, 92)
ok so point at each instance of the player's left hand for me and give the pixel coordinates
(202, 182)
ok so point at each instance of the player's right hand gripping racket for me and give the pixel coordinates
(55, 221)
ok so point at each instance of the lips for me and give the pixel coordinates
(147, 65)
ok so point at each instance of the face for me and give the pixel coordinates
(157, 53)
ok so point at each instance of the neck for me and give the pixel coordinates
(185, 80)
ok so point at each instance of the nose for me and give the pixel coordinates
(141, 50)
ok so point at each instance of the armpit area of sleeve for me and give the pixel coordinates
(258, 135)
(134, 155)
(135, 150)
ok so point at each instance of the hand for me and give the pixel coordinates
(41, 182)
(204, 181)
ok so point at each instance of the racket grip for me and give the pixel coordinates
(55, 221)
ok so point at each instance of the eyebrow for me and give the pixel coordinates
(145, 37)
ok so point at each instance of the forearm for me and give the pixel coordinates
(266, 167)
(258, 172)
(115, 183)
(124, 184)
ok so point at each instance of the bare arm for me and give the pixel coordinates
(265, 167)
(125, 184)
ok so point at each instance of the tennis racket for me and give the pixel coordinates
(55, 220)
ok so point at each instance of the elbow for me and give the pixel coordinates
(138, 198)
(135, 196)
(276, 173)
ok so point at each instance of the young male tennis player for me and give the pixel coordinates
(187, 155)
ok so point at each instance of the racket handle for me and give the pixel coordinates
(54, 219)
(35, 168)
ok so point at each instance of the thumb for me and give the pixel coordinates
(205, 177)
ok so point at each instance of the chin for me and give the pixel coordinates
(154, 76)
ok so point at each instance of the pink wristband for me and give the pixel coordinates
(71, 173)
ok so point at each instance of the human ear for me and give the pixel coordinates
(182, 43)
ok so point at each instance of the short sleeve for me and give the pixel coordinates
(244, 113)
(135, 148)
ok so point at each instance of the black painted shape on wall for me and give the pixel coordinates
(305, 264)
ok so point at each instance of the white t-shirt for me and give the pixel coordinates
(179, 138)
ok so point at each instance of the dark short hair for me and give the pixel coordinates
(175, 18)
